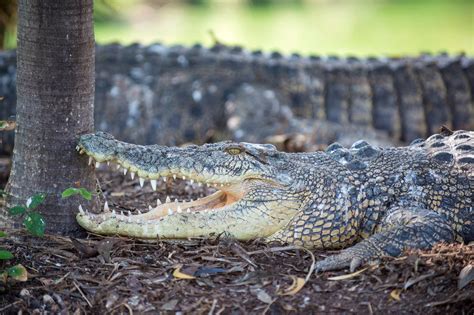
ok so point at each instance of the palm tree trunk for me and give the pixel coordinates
(55, 90)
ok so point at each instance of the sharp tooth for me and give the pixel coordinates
(222, 185)
(121, 213)
(132, 175)
(139, 212)
(81, 151)
(113, 212)
(153, 184)
(200, 184)
(128, 213)
(170, 212)
(184, 177)
(208, 185)
(108, 163)
(176, 200)
(142, 181)
(174, 176)
(164, 178)
(97, 164)
(188, 210)
(77, 147)
(118, 166)
(179, 210)
(90, 160)
(106, 206)
(150, 208)
(81, 210)
(191, 181)
(168, 199)
(158, 202)
(124, 171)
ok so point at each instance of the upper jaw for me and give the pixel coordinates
(160, 170)
(233, 190)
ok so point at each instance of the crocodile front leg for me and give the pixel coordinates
(402, 228)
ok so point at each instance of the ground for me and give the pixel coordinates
(101, 275)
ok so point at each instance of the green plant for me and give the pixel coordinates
(33, 221)
(17, 272)
(77, 191)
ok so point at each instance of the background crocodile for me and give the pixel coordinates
(173, 95)
(381, 200)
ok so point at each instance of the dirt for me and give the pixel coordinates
(101, 275)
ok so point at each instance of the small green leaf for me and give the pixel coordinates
(18, 272)
(34, 223)
(85, 193)
(3, 123)
(35, 201)
(3, 234)
(70, 192)
(5, 254)
(16, 210)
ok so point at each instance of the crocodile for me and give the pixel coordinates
(173, 94)
(367, 201)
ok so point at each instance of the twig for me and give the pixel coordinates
(10, 305)
(82, 293)
(369, 306)
(274, 249)
(313, 264)
(61, 279)
(213, 307)
(130, 311)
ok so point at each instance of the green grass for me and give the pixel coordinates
(364, 27)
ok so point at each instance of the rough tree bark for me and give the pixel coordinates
(55, 88)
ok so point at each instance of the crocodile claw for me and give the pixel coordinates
(343, 260)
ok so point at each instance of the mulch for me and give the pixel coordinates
(101, 275)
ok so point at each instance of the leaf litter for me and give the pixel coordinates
(216, 276)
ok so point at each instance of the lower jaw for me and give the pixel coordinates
(213, 202)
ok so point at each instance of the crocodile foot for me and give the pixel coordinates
(343, 260)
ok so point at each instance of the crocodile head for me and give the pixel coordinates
(255, 196)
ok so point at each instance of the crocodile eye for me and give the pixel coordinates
(233, 150)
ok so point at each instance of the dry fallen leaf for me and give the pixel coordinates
(295, 286)
(413, 281)
(264, 297)
(170, 305)
(85, 250)
(179, 275)
(7, 125)
(348, 276)
(465, 276)
(395, 294)
(105, 247)
(111, 300)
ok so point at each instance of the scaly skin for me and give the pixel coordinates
(172, 95)
(373, 201)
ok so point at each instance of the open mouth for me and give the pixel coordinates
(222, 192)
